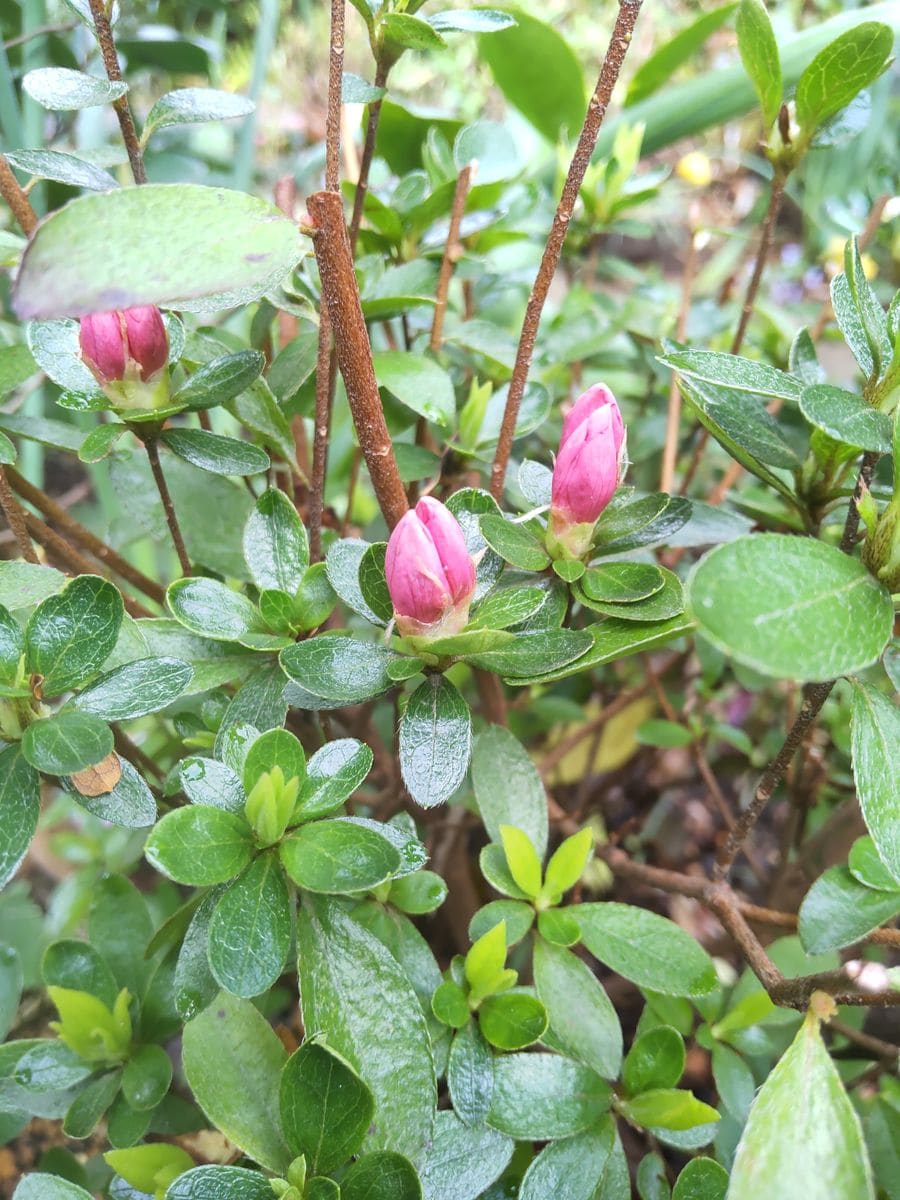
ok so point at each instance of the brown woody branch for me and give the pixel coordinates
(452, 251)
(114, 75)
(15, 196)
(151, 445)
(16, 518)
(609, 73)
(368, 153)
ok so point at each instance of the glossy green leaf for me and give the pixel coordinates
(732, 371)
(342, 564)
(62, 90)
(435, 741)
(69, 636)
(838, 910)
(865, 864)
(220, 1183)
(647, 521)
(824, 1131)
(188, 106)
(812, 612)
(146, 1077)
(508, 788)
(208, 781)
(538, 1097)
(521, 859)
(383, 1175)
(571, 1169)
(664, 604)
(839, 72)
(519, 918)
(89, 1106)
(622, 582)
(418, 383)
(119, 921)
(650, 950)
(39, 1186)
(514, 543)
(373, 583)
(512, 1020)
(276, 547)
(50, 1066)
(558, 927)
(194, 986)
(875, 728)
(200, 845)
(338, 857)
(667, 1108)
(80, 967)
(353, 989)
(759, 54)
(135, 689)
(582, 1017)
(333, 774)
(233, 1061)
(847, 418)
(655, 1060)
(66, 742)
(701, 1179)
(220, 380)
(508, 606)
(62, 168)
(326, 1108)
(470, 1074)
(339, 668)
(215, 453)
(20, 807)
(462, 1162)
(274, 748)
(212, 610)
(105, 250)
(421, 892)
(12, 646)
(411, 32)
(734, 1081)
(250, 929)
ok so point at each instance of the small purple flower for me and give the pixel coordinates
(430, 575)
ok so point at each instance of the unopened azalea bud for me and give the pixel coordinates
(270, 805)
(881, 549)
(126, 352)
(430, 574)
(587, 472)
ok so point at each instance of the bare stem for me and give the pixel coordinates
(762, 254)
(452, 251)
(333, 120)
(670, 449)
(368, 153)
(354, 351)
(15, 518)
(152, 447)
(325, 363)
(609, 73)
(107, 45)
(15, 197)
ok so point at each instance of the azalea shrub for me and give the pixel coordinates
(448, 734)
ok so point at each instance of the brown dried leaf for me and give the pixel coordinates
(99, 779)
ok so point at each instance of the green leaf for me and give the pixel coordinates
(582, 1017)
(71, 635)
(514, 543)
(338, 857)
(62, 168)
(383, 1175)
(734, 1081)
(410, 32)
(512, 1020)
(643, 522)
(470, 1073)
(215, 453)
(339, 668)
(332, 775)
(193, 985)
(541, 1096)
(12, 646)
(759, 54)
(838, 910)
(418, 383)
(89, 1106)
(559, 927)
(342, 564)
(701, 1179)
(11, 980)
(61, 90)
(663, 733)
(475, 20)
(538, 73)
(811, 613)
(824, 1128)
(650, 950)
(658, 68)
(39, 1186)
(622, 582)
(135, 689)
(120, 922)
(220, 1183)
(373, 582)
(326, 1109)
(655, 1060)
(7, 450)
(462, 1162)
(668, 602)
(146, 1077)
(508, 789)
(66, 742)
(508, 606)
(865, 864)
(200, 845)
(212, 610)
(839, 72)
(219, 381)
(847, 418)
(435, 741)
(732, 371)
(20, 807)
(534, 653)
(869, 313)
(207, 781)
(522, 860)
(571, 1169)
(450, 1005)
(875, 729)
(667, 1108)
(353, 989)
(233, 1061)
(421, 892)
(106, 248)
(275, 748)
(275, 543)
(50, 1066)
(80, 967)
(492, 861)
(189, 106)
(250, 929)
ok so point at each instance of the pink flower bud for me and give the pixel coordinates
(125, 345)
(430, 575)
(587, 471)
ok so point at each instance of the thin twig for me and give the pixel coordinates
(15, 197)
(325, 374)
(670, 449)
(368, 153)
(354, 351)
(609, 73)
(333, 119)
(55, 512)
(122, 108)
(452, 251)
(865, 1041)
(152, 447)
(15, 518)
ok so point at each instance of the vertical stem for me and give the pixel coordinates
(609, 73)
(452, 251)
(333, 119)
(114, 75)
(16, 198)
(16, 518)
(151, 445)
(762, 254)
(354, 352)
(670, 449)
(365, 165)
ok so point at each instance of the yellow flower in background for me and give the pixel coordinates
(833, 258)
(695, 168)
